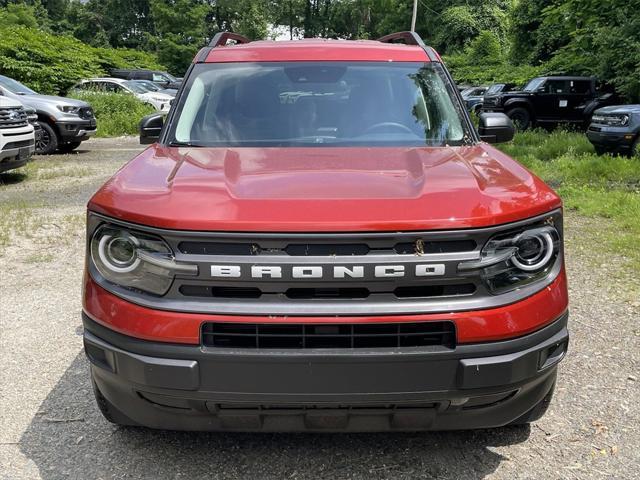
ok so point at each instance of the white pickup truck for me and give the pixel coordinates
(17, 142)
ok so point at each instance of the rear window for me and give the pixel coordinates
(316, 104)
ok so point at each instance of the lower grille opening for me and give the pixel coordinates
(220, 292)
(425, 291)
(309, 293)
(312, 336)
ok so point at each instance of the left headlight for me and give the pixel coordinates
(515, 259)
(135, 260)
(68, 109)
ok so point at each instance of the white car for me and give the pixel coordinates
(160, 101)
(17, 141)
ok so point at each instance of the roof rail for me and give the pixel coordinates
(221, 38)
(408, 38)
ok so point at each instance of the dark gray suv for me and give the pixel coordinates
(616, 129)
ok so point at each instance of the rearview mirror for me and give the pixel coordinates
(150, 128)
(495, 128)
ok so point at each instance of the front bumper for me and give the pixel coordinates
(618, 140)
(16, 147)
(77, 130)
(182, 387)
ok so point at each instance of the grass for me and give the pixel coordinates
(117, 113)
(595, 186)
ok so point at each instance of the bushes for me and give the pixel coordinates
(117, 114)
(53, 63)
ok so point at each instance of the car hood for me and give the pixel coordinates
(326, 189)
(35, 100)
(618, 109)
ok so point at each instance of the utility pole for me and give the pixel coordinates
(415, 14)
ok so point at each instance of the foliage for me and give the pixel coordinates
(52, 63)
(483, 39)
(19, 14)
(117, 114)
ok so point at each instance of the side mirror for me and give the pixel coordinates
(150, 128)
(495, 128)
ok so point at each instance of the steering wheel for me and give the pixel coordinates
(387, 125)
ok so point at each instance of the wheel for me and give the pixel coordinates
(635, 149)
(48, 141)
(69, 147)
(109, 412)
(537, 412)
(520, 117)
(600, 150)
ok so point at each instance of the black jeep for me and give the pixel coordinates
(548, 101)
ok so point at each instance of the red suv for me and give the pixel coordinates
(319, 239)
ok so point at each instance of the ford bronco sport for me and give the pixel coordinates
(318, 239)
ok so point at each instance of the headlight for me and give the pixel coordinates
(68, 109)
(135, 260)
(611, 120)
(159, 99)
(512, 260)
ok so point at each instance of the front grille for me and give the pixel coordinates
(23, 143)
(13, 117)
(326, 274)
(312, 336)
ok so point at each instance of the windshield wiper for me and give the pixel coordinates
(175, 143)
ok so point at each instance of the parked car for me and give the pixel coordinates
(162, 79)
(548, 101)
(357, 257)
(159, 101)
(616, 129)
(17, 142)
(473, 97)
(65, 122)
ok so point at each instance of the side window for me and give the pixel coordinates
(157, 77)
(555, 86)
(112, 87)
(579, 86)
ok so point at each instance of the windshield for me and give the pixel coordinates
(15, 87)
(318, 103)
(147, 85)
(494, 89)
(533, 85)
(135, 87)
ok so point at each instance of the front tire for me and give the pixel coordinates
(635, 149)
(48, 141)
(521, 118)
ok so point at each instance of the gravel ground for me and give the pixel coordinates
(51, 428)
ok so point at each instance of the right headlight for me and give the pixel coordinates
(515, 259)
(134, 260)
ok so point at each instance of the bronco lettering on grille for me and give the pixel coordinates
(329, 272)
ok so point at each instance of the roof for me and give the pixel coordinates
(567, 77)
(106, 79)
(317, 50)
